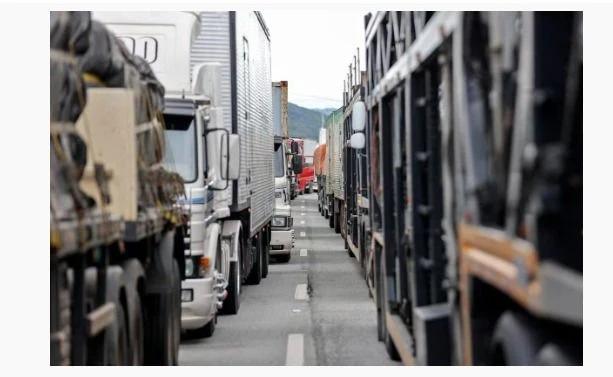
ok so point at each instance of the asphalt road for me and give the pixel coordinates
(314, 310)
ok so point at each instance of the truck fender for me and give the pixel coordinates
(159, 271)
(231, 230)
(211, 238)
(133, 272)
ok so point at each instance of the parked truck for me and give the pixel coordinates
(355, 174)
(335, 189)
(116, 233)
(219, 126)
(473, 137)
(319, 169)
(282, 232)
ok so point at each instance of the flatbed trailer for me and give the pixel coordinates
(116, 231)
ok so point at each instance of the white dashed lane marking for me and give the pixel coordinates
(301, 292)
(295, 350)
(303, 252)
(302, 234)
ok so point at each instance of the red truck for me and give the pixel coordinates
(305, 179)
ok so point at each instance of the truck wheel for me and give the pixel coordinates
(176, 308)
(117, 340)
(284, 258)
(378, 301)
(132, 273)
(331, 219)
(348, 249)
(337, 223)
(390, 347)
(265, 258)
(137, 333)
(555, 355)
(207, 330)
(164, 324)
(255, 276)
(232, 301)
(159, 337)
(515, 341)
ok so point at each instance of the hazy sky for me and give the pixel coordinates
(312, 49)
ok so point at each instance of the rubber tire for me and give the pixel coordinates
(552, 354)
(515, 340)
(117, 348)
(266, 258)
(349, 252)
(381, 330)
(390, 347)
(255, 275)
(176, 300)
(337, 223)
(233, 301)
(137, 333)
(331, 220)
(160, 336)
(284, 258)
(205, 331)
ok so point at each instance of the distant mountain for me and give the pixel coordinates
(305, 123)
(327, 111)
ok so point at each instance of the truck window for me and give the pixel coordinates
(181, 152)
(279, 162)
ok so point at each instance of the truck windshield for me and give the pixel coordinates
(180, 138)
(279, 161)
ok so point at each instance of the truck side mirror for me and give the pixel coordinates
(297, 164)
(229, 157)
(358, 116)
(295, 147)
(357, 141)
(234, 158)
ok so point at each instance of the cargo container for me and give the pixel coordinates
(335, 189)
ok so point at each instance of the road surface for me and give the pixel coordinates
(314, 310)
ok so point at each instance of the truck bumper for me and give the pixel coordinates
(281, 241)
(202, 308)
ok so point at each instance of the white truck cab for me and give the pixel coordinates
(282, 232)
(198, 147)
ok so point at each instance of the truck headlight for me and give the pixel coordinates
(197, 267)
(189, 267)
(279, 222)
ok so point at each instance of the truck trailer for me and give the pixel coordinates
(116, 230)
(335, 189)
(282, 232)
(473, 130)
